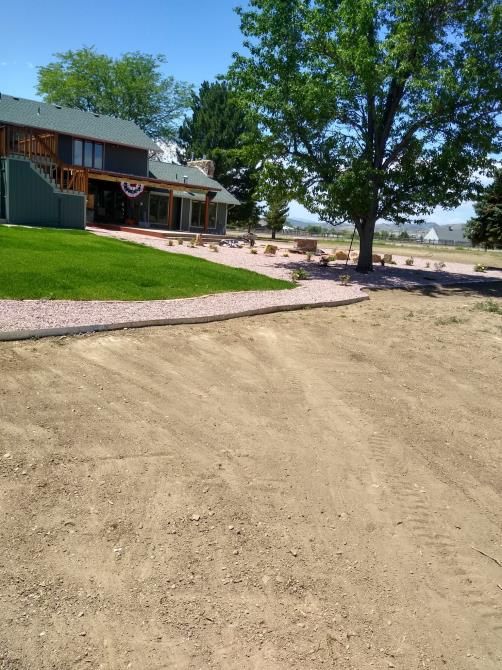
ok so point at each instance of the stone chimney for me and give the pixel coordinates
(205, 166)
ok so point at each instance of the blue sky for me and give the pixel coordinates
(198, 38)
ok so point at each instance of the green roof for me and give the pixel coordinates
(177, 173)
(22, 112)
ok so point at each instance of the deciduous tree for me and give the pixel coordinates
(130, 87)
(374, 108)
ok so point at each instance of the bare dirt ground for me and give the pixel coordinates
(293, 491)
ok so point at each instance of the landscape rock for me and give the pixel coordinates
(270, 249)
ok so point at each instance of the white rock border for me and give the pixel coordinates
(10, 336)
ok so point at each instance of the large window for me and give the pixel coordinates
(158, 209)
(212, 215)
(87, 153)
(197, 218)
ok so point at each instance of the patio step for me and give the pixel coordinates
(152, 232)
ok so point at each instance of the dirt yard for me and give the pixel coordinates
(294, 491)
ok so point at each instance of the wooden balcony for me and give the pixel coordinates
(40, 147)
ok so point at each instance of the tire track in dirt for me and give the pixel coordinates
(453, 557)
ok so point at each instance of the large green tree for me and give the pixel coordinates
(221, 131)
(374, 108)
(486, 227)
(130, 87)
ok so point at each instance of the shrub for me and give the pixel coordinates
(427, 265)
(300, 274)
(285, 255)
(308, 255)
(270, 250)
(479, 268)
(489, 306)
(180, 242)
(214, 247)
(439, 266)
(344, 280)
(170, 243)
(410, 261)
(253, 250)
(448, 320)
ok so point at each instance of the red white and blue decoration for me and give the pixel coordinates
(132, 190)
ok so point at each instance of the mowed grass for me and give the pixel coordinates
(76, 265)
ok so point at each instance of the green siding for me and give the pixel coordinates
(31, 200)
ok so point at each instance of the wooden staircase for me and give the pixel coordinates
(40, 147)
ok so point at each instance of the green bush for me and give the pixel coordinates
(300, 274)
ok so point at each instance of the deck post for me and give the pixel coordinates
(206, 212)
(170, 209)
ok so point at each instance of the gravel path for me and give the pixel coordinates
(321, 289)
(280, 267)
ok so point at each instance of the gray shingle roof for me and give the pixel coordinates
(451, 233)
(176, 173)
(68, 121)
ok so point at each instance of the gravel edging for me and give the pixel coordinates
(9, 336)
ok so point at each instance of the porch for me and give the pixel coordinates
(184, 209)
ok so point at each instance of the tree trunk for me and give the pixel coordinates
(273, 233)
(366, 230)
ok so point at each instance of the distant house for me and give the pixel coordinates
(453, 234)
(67, 168)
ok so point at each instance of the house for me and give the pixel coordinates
(453, 234)
(66, 168)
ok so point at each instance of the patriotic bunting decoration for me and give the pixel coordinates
(132, 190)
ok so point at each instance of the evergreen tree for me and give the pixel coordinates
(219, 130)
(277, 215)
(486, 227)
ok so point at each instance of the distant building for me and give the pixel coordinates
(453, 234)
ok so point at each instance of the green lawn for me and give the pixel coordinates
(76, 265)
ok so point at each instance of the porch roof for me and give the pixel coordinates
(152, 182)
(175, 174)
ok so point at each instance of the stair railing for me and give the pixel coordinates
(41, 148)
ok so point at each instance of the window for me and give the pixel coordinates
(98, 156)
(77, 152)
(212, 215)
(197, 218)
(198, 211)
(88, 151)
(158, 209)
(89, 154)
